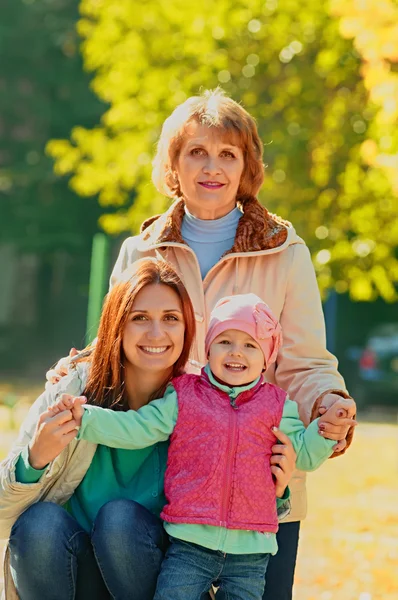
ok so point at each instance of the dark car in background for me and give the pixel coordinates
(375, 380)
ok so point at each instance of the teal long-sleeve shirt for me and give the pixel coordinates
(131, 474)
(155, 422)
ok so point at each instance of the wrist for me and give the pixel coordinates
(284, 494)
(35, 461)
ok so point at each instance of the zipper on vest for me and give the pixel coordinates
(230, 463)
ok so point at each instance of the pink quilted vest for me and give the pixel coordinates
(218, 471)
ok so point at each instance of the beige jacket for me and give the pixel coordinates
(269, 259)
(61, 477)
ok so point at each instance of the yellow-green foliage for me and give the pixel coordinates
(326, 114)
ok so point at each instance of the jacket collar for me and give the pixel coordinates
(237, 396)
(257, 230)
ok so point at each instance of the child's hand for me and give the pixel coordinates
(72, 403)
(335, 422)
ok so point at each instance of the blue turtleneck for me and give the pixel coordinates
(209, 239)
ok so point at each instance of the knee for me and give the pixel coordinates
(119, 515)
(120, 518)
(39, 529)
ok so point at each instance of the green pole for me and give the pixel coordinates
(98, 283)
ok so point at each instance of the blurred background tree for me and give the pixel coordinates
(320, 79)
(297, 69)
(45, 232)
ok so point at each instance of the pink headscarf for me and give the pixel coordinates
(248, 313)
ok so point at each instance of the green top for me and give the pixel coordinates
(138, 474)
(115, 473)
(132, 474)
(155, 422)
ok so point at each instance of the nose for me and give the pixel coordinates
(155, 330)
(211, 166)
(235, 350)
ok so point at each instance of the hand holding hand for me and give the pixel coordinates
(283, 462)
(52, 435)
(74, 404)
(337, 417)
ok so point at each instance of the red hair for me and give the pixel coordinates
(105, 385)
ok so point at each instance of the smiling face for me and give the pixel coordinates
(235, 358)
(153, 337)
(209, 171)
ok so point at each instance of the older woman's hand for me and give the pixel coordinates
(61, 368)
(337, 423)
(283, 462)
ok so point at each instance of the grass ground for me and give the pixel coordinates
(349, 541)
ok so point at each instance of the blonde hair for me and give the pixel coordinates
(213, 109)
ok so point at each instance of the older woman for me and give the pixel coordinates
(222, 241)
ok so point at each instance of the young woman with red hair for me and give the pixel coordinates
(77, 513)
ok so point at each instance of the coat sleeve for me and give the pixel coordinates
(305, 369)
(16, 497)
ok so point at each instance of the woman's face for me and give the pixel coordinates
(209, 171)
(153, 337)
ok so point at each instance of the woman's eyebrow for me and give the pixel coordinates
(165, 310)
(195, 143)
(201, 144)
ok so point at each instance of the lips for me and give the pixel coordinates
(235, 367)
(211, 185)
(154, 350)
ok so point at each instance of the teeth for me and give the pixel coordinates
(154, 350)
(235, 366)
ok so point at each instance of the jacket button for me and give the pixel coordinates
(154, 494)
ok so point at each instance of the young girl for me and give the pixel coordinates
(221, 510)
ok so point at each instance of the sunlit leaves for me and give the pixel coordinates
(295, 67)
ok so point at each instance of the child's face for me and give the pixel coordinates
(235, 358)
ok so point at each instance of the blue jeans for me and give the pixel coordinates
(188, 571)
(53, 558)
(280, 570)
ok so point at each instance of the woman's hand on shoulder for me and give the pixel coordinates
(53, 433)
(61, 368)
(283, 462)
